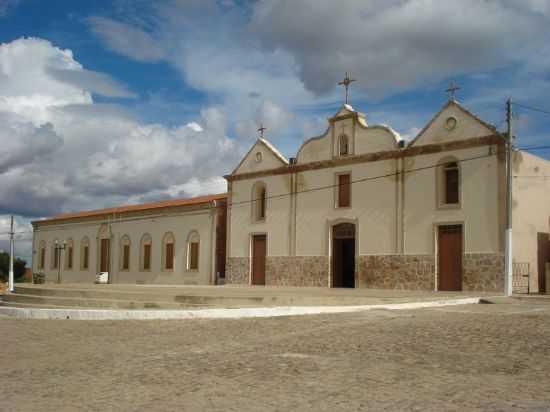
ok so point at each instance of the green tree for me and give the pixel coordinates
(18, 267)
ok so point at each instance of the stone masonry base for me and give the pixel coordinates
(482, 272)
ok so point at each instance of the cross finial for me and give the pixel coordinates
(261, 130)
(453, 87)
(346, 82)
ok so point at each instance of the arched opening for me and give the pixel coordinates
(259, 202)
(343, 145)
(42, 260)
(84, 254)
(193, 250)
(145, 255)
(125, 253)
(168, 245)
(448, 178)
(69, 252)
(343, 255)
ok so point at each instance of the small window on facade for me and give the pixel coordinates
(86, 257)
(84, 253)
(55, 255)
(42, 261)
(451, 181)
(168, 257)
(259, 204)
(343, 145)
(70, 257)
(126, 257)
(146, 252)
(69, 254)
(344, 190)
(194, 256)
(125, 253)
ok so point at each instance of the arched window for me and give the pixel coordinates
(69, 252)
(55, 254)
(449, 183)
(259, 202)
(145, 255)
(343, 145)
(84, 254)
(42, 255)
(193, 248)
(168, 248)
(125, 253)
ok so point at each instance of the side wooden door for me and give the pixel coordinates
(259, 249)
(105, 258)
(450, 258)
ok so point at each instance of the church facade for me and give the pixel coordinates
(357, 207)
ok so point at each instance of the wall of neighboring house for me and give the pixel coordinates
(531, 215)
(180, 222)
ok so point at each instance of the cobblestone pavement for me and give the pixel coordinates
(475, 357)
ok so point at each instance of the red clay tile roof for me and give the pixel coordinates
(134, 208)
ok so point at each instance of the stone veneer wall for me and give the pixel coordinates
(237, 270)
(411, 272)
(483, 272)
(297, 271)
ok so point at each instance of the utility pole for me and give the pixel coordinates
(11, 286)
(508, 263)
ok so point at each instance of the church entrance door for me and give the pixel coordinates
(450, 257)
(343, 255)
(259, 249)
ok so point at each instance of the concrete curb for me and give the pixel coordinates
(113, 314)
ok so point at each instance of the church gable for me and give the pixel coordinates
(452, 123)
(261, 156)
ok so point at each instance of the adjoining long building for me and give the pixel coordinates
(356, 207)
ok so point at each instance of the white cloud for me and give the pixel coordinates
(66, 152)
(127, 40)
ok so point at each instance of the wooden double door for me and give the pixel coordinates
(450, 258)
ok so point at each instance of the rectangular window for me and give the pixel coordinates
(70, 258)
(451, 186)
(56, 251)
(126, 257)
(146, 257)
(194, 256)
(169, 264)
(85, 257)
(344, 190)
(42, 258)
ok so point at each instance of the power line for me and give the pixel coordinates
(332, 186)
(535, 109)
(534, 148)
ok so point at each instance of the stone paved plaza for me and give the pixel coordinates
(473, 357)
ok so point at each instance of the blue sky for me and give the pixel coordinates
(108, 102)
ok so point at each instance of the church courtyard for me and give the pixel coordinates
(469, 357)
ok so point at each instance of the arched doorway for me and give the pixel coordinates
(343, 255)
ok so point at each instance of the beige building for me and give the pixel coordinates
(170, 242)
(356, 207)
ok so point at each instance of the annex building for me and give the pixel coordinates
(357, 207)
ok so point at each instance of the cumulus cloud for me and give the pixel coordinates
(67, 152)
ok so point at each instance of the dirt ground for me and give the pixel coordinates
(475, 357)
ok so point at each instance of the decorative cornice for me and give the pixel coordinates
(374, 157)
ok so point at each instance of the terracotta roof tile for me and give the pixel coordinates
(134, 208)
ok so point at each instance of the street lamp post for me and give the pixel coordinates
(58, 249)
